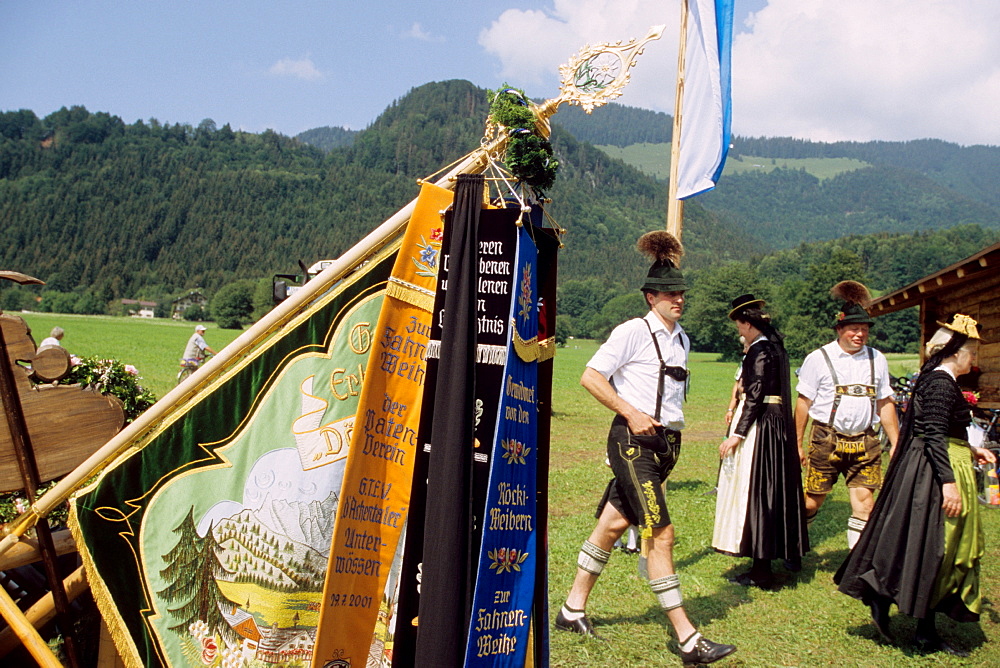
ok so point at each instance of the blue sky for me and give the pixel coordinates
(818, 69)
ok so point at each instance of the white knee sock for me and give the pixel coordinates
(592, 558)
(854, 528)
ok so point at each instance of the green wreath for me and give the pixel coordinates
(529, 156)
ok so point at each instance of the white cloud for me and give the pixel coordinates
(823, 69)
(532, 44)
(857, 69)
(303, 68)
(418, 32)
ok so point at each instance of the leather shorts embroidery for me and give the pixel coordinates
(858, 458)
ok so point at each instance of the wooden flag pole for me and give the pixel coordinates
(675, 207)
(26, 633)
(18, 428)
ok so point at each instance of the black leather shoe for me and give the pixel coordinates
(705, 652)
(936, 643)
(750, 579)
(880, 616)
(583, 626)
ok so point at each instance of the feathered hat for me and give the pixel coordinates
(665, 250)
(855, 298)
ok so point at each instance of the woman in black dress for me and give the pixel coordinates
(760, 510)
(923, 542)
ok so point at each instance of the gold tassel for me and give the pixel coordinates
(547, 349)
(528, 350)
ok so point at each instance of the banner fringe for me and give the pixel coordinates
(411, 294)
(102, 597)
(547, 349)
(528, 350)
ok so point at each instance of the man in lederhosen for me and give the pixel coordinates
(640, 373)
(844, 387)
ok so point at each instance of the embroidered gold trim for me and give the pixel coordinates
(102, 597)
(411, 294)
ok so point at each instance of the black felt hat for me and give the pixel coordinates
(744, 302)
(664, 274)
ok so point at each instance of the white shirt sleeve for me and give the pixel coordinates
(808, 385)
(614, 352)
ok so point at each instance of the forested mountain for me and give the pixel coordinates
(102, 210)
(615, 125)
(973, 171)
(909, 186)
(327, 138)
(146, 210)
(89, 203)
(785, 207)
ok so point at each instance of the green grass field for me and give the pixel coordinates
(153, 346)
(804, 623)
(654, 159)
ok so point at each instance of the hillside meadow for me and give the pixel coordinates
(654, 160)
(805, 622)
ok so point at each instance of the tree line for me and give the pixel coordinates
(796, 284)
(103, 210)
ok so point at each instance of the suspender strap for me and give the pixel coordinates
(833, 376)
(837, 395)
(659, 380)
(871, 370)
(678, 373)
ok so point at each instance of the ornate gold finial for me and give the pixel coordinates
(598, 74)
(594, 77)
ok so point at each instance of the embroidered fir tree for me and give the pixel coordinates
(192, 569)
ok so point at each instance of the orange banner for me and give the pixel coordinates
(358, 607)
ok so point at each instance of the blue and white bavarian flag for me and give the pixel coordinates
(707, 104)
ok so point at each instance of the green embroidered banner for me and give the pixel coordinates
(209, 540)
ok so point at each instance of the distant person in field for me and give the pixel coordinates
(759, 511)
(53, 339)
(640, 373)
(844, 387)
(196, 346)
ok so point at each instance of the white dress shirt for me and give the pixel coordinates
(628, 360)
(854, 415)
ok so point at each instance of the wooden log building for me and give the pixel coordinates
(970, 286)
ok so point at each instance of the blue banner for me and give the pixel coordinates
(501, 611)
